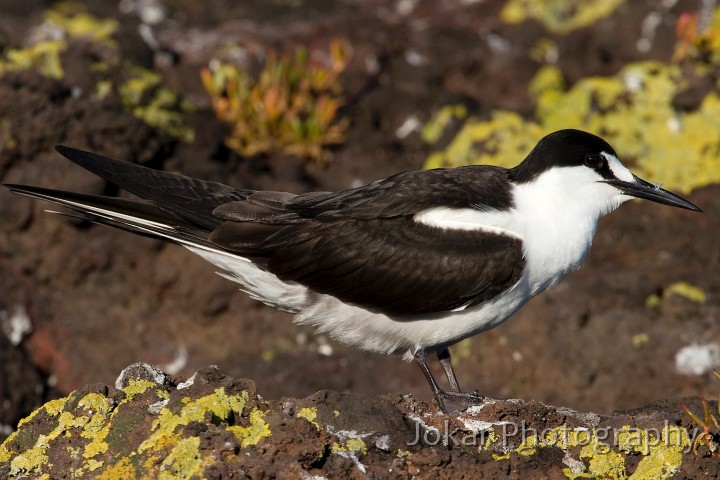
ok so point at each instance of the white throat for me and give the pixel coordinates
(557, 215)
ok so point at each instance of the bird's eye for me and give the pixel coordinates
(593, 160)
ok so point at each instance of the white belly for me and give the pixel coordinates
(361, 328)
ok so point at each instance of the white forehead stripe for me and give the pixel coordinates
(468, 219)
(617, 168)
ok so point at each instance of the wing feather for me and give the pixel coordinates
(362, 245)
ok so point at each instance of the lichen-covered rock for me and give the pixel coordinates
(214, 426)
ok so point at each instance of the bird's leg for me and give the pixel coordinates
(472, 398)
(455, 392)
(420, 359)
(446, 363)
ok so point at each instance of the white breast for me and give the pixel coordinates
(557, 216)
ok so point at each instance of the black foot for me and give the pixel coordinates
(459, 400)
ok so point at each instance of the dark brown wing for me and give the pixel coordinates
(360, 245)
(394, 266)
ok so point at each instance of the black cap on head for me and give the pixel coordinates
(564, 148)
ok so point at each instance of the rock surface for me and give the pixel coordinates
(215, 426)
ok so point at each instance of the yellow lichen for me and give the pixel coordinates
(682, 289)
(464, 349)
(602, 462)
(146, 97)
(97, 444)
(662, 456)
(686, 290)
(356, 445)
(309, 414)
(91, 465)
(97, 427)
(490, 439)
(43, 57)
(351, 445)
(253, 433)
(639, 339)
(216, 407)
(166, 452)
(434, 129)
(633, 110)
(559, 16)
(653, 301)
(123, 469)
(267, 355)
(103, 89)
(73, 19)
(31, 460)
(499, 141)
(35, 457)
(183, 461)
(528, 446)
(501, 456)
(403, 453)
(137, 387)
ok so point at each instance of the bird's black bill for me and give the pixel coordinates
(639, 188)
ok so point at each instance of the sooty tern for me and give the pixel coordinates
(409, 264)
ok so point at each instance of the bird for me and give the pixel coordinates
(406, 265)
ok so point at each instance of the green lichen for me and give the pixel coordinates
(633, 110)
(559, 16)
(145, 96)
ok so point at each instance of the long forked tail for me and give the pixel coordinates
(173, 208)
(137, 216)
(188, 198)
